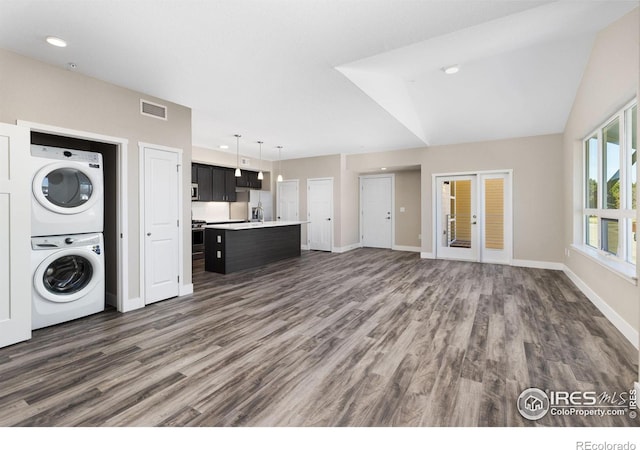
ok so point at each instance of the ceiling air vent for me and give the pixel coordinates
(150, 109)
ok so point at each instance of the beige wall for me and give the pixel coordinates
(45, 94)
(537, 188)
(317, 167)
(608, 83)
(537, 185)
(407, 196)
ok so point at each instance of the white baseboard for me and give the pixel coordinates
(185, 289)
(346, 248)
(427, 255)
(132, 304)
(111, 299)
(406, 248)
(304, 247)
(616, 319)
(548, 265)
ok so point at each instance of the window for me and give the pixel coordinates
(610, 185)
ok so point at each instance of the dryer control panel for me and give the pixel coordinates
(70, 241)
(65, 154)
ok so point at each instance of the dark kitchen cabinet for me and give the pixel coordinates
(194, 173)
(224, 185)
(249, 179)
(215, 184)
(204, 176)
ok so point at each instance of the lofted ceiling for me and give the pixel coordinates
(329, 76)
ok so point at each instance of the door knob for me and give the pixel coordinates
(329, 218)
(148, 234)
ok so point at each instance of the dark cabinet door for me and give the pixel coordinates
(205, 183)
(243, 181)
(253, 181)
(230, 185)
(194, 173)
(219, 184)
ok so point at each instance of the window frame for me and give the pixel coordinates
(625, 214)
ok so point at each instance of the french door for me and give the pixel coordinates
(473, 217)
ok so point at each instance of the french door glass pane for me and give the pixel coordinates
(591, 158)
(611, 165)
(610, 232)
(633, 247)
(494, 213)
(592, 231)
(456, 213)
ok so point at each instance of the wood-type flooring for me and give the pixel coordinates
(365, 338)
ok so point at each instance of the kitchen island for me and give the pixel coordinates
(238, 246)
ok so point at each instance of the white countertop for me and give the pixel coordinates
(252, 225)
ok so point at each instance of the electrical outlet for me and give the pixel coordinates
(419, 237)
(402, 209)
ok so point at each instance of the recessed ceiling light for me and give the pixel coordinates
(383, 168)
(72, 66)
(56, 41)
(224, 147)
(451, 69)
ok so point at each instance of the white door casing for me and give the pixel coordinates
(15, 227)
(320, 213)
(288, 200)
(161, 224)
(376, 210)
(123, 302)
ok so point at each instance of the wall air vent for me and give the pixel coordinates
(151, 109)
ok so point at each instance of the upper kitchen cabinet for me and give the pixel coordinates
(204, 179)
(249, 180)
(224, 184)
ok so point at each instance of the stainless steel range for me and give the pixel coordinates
(197, 238)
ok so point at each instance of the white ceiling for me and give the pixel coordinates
(329, 76)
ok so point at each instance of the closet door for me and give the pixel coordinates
(15, 231)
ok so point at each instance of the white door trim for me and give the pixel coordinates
(393, 205)
(124, 303)
(141, 192)
(434, 206)
(332, 245)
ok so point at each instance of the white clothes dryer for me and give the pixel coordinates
(68, 278)
(67, 191)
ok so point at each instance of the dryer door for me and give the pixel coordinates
(67, 187)
(67, 275)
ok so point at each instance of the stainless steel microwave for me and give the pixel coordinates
(194, 191)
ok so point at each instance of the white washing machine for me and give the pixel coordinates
(67, 191)
(68, 278)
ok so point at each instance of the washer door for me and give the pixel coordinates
(67, 187)
(67, 275)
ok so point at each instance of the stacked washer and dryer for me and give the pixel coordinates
(67, 244)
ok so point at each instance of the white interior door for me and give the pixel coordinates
(287, 201)
(457, 235)
(320, 213)
(376, 211)
(161, 224)
(15, 227)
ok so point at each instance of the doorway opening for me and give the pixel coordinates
(109, 154)
(473, 217)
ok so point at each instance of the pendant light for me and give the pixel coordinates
(238, 173)
(279, 163)
(260, 174)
